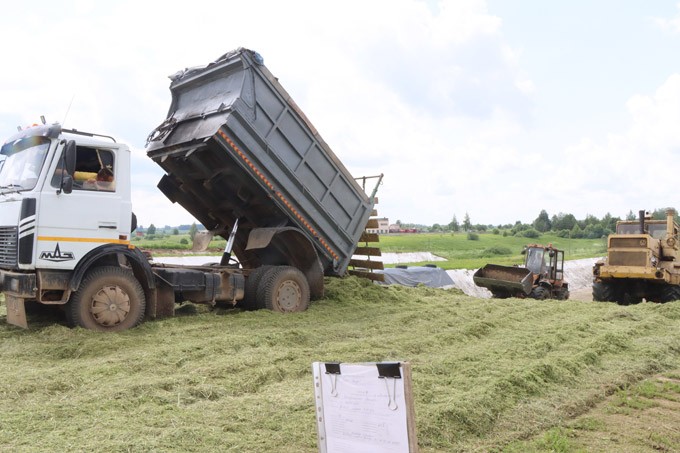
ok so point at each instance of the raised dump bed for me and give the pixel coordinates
(504, 281)
(236, 147)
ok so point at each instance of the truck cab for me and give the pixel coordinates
(64, 205)
(58, 214)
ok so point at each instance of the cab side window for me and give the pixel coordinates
(94, 170)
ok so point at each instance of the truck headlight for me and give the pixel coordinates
(654, 261)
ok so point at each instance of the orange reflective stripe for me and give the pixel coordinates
(71, 239)
(277, 193)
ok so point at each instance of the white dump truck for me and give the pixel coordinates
(238, 154)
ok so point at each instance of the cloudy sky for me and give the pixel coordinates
(497, 108)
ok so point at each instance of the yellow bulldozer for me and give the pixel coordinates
(641, 263)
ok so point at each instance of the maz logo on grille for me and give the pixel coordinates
(57, 255)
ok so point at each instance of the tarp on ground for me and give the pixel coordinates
(434, 277)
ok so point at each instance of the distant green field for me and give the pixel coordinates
(460, 252)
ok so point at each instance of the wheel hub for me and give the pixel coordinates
(110, 306)
(289, 295)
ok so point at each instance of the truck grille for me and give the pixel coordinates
(8, 246)
(628, 259)
(628, 242)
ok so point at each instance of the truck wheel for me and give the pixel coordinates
(605, 292)
(249, 301)
(670, 293)
(110, 299)
(283, 289)
(539, 293)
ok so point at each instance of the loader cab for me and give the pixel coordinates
(535, 260)
(545, 261)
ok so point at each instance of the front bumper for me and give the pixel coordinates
(18, 284)
(638, 272)
(17, 287)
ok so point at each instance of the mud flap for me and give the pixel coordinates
(201, 241)
(16, 312)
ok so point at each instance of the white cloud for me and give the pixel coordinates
(669, 25)
(393, 86)
(431, 94)
(634, 170)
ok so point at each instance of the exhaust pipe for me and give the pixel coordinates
(642, 221)
(670, 220)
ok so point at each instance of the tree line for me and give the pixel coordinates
(561, 224)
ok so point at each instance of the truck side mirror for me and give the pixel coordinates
(67, 184)
(68, 167)
(70, 157)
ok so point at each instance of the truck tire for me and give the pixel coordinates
(606, 292)
(539, 293)
(110, 299)
(249, 301)
(283, 289)
(670, 293)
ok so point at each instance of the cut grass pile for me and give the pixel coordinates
(639, 418)
(486, 373)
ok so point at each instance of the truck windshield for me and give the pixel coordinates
(656, 230)
(23, 160)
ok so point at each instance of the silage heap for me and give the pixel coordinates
(488, 371)
(485, 372)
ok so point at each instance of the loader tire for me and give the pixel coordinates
(562, 294)
(670, 293)
(283, 289)
(110, 299)
(606, 292)
(539, 293)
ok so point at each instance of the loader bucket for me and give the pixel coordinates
(504, 279)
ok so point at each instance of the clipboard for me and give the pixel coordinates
(364, 407)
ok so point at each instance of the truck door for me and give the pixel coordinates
(72, 224)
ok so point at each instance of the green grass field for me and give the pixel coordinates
(460, 252)
(488, 375)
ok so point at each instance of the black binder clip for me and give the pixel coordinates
(333, 368)
(387, 371)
